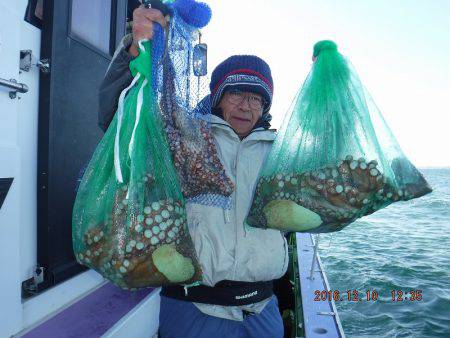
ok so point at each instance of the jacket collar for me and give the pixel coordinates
(257, 134)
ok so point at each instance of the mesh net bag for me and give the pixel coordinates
(185, 108)
(334, 159)
(129, 220)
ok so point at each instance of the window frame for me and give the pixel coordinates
(58, 269)
(29, 14)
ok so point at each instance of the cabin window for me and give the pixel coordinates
(35, 12)
(90, 22)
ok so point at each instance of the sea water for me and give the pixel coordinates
(400, 252)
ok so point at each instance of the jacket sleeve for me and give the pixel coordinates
(117, 78)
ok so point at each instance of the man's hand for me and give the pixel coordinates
(143, 20)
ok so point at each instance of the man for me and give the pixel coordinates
(238, 262)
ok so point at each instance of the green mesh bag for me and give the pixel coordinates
(334, 159)
(129, 220)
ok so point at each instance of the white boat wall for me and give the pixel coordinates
(53, 57)
(40, 290)
(18, 159)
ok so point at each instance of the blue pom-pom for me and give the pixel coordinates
(196, 14)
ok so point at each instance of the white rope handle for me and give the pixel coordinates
(117, 166)
(139, 103)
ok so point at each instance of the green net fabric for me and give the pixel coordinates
(334, 159)
(129, 219)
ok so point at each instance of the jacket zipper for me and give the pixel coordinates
(226, 215)
(235, 200)
(236, 253)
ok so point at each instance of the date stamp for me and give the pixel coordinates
(367, 295)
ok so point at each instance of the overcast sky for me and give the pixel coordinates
(400, 49)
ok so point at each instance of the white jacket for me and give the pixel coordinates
(226, 248)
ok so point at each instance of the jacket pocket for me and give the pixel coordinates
(263, 255)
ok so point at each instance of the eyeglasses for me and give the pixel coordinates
(236, 97)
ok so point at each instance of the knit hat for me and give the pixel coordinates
(244, 72)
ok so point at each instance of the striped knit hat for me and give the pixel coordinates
(244, 72)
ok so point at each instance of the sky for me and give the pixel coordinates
(400, 49)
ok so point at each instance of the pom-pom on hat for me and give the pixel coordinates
(244, 72)
(196, 14)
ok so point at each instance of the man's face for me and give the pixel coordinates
(241, 110)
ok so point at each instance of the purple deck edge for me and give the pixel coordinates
(91, 316)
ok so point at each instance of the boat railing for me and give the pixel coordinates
(320, 316)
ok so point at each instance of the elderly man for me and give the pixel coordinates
(238, 263)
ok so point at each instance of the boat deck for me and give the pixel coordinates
(110, 312)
